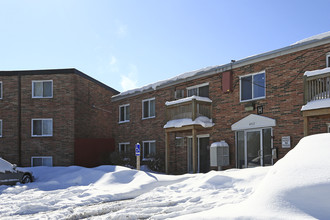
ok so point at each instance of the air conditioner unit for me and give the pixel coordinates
(219, 154)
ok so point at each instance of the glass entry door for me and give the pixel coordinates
(203, 155)
(254, 148)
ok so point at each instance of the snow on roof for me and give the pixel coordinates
(201, 120)
(315, 37)
(317, 72)
(316, 104)
(198, 98)
(164, 82)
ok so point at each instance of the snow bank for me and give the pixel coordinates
(201, 120)
(297, 186)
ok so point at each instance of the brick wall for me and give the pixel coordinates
(284, 99)
(9, 116)
(60, 108)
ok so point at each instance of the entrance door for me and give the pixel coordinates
(254, 148)
(203, 155)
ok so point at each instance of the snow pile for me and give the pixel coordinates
(188, 99)
(315, 37)
(296, 187)
(316, 104)
(317, 72)
(178, 123)
(155, 85)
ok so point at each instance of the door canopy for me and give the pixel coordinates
(253, 121)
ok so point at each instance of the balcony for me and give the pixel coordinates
(189, 111)
(316, 95)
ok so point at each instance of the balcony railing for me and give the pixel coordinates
(317, 85)
(190, 107)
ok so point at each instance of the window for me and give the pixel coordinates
(328, 127)
(41, 161)
(42, 127)
(42, 89)
(0, 128)
(124, 147)
(328, 60)
(124, 113)
(0, 90)
(148, 108)
(199, 90)
(149, 149)
(179, 94)
(253, 86)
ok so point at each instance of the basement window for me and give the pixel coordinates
(253, 86)
(124, 147)
(42, 127)
(42, 89)
(41, 161)
(149, 149)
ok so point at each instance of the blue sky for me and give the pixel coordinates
(131, 43)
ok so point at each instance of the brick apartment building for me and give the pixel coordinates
(54, 117)
(257, 104)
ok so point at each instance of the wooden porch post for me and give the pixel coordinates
(306, 125)
(166, 151)
(194, 150)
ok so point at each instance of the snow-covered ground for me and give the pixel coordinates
(297, 186)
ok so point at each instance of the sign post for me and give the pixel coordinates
(137, 154)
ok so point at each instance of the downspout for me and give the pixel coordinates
(19, 112)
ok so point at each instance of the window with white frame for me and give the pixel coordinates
(42, 89)
(124, 147)
(253, 86)
(41, 161)
(42, 127)
(124, 113)
(328, 60)
(148, 108)
(0, 128)
(328, 126)
(149, 149)
(198, 90)
(0, 89)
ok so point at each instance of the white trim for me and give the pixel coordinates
(1, 89)
(149, 141)
(328, 126)
(0, 127)
(197, 86)
(123, 143)
(42, 157)
(41, 97)
(148, 100)
(42, 119)
(240, 87)
(125, 109)
(327, 60)
(253, 121)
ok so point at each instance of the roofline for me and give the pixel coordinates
(239, 63)
(55, 71)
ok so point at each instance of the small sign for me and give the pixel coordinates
(137, 150)
(260, 110)
(286, 142)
